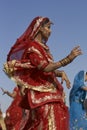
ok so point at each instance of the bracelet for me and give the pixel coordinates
(66, 61)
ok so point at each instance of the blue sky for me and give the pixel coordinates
(69, 30)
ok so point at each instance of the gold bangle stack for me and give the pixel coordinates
(66, 61)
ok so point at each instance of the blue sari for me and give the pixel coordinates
(78, 117)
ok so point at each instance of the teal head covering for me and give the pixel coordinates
(77, 85)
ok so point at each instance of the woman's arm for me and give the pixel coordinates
(53, 66)
(63, 76)
(14, 65)
(13, 94)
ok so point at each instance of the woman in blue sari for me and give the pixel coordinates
(78, 116)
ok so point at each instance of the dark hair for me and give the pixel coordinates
(86, 73)
(45, 22)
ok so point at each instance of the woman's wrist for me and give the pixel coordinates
(59, 73)
(66, 60)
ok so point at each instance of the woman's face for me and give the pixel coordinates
(45, 30)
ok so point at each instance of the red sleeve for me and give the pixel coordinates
(36, 60)
(37, 56)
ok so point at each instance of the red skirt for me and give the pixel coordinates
(15, 116)
(51, 116)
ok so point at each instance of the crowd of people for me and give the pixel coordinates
(39, 98)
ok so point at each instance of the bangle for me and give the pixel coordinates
(66, 61)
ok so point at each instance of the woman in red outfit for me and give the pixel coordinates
(14, 113)
(31, 65)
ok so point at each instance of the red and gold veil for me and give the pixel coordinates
(20, 46)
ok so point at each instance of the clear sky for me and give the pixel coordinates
(69, 30)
